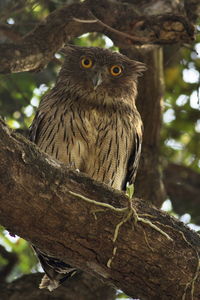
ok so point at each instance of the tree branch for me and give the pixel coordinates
(181, 183)
(81, 287)
(9, 32)
(125, 28)
(141, 250)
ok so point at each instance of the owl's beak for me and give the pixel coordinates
(97, 79)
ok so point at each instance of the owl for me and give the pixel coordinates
(89, 121)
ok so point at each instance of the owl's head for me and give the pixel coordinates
(100, 70)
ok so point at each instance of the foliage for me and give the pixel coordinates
(26, 260)
(180, 133)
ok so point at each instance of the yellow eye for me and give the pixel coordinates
(116, 70)
(86, 62)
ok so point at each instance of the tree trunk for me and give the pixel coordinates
(149, 185)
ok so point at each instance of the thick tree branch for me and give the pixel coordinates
(117, 20)
(143, 251)
(84, 286)
(181, 183)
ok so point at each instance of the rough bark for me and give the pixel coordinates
(181, 183)
(120, 21)
(80, 287)
(152, 256)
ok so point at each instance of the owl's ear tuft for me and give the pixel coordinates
(68, 49)
(138, 67)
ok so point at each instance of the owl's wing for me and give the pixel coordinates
(56, 271)
(133, 161)
(36, 127)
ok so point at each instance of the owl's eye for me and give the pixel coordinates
(116, 70)
(86, 62)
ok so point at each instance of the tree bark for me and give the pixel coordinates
(182, 184)
(82, 287)
(139, 249)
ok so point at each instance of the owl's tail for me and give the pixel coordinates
(52, 284)
(56, 271)
(46, 282)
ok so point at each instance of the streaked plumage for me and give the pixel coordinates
(89, 121)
